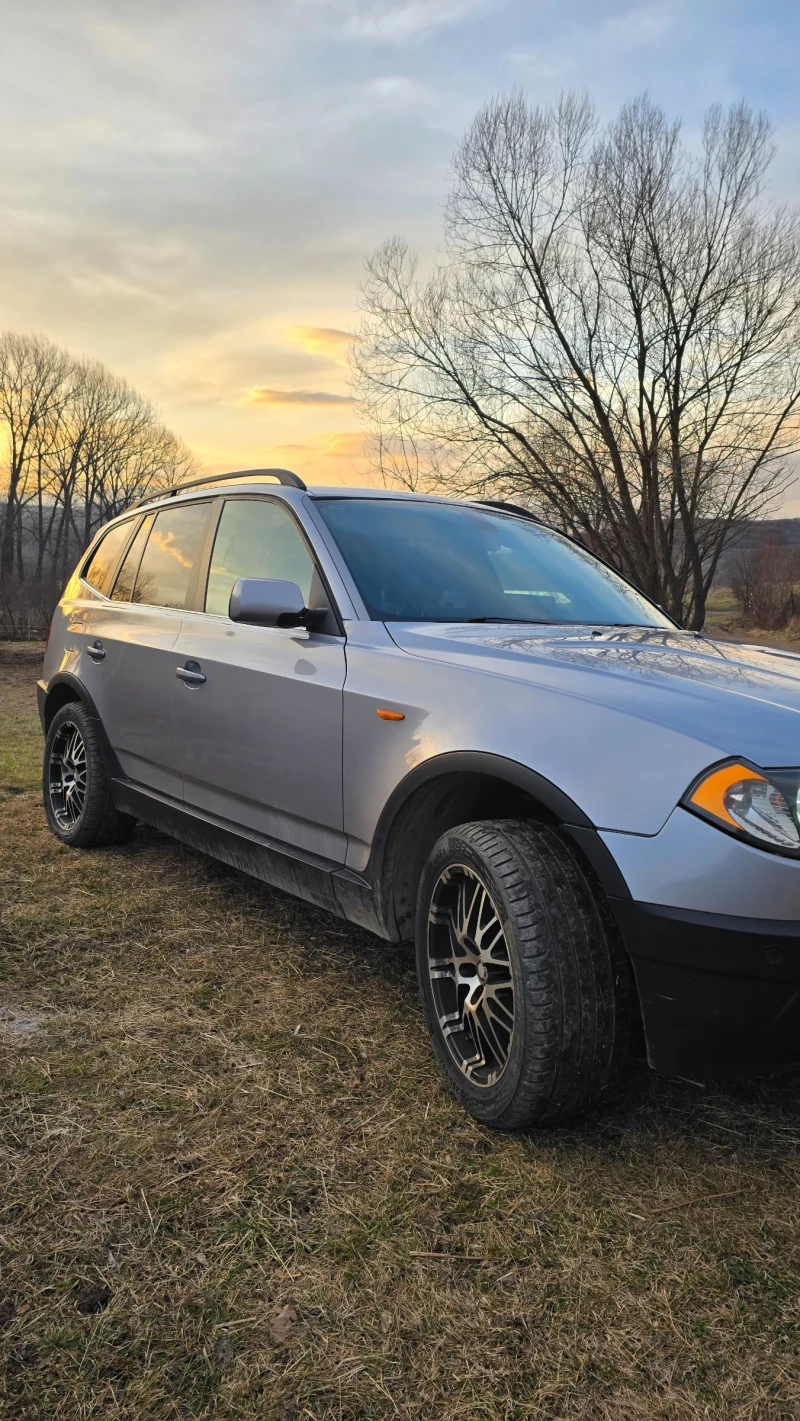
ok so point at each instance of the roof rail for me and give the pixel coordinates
(283, 476)
(509, 508)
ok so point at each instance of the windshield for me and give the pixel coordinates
(440, 562)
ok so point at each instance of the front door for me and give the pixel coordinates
(260, 738)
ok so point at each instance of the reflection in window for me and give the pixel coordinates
(256, 538)
(126, 577)
(102, 565)
(166, 567)
(440, 562)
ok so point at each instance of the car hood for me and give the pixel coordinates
(742, 700)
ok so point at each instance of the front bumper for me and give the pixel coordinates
(720, 995)
(41, 697)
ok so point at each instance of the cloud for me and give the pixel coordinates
(638, 28)
(322, 340)
(392, 23)
(350, 445)
(625, 32)
(261, 395)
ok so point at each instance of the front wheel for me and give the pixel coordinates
(526, 988)
(77, 792)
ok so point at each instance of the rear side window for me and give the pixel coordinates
(126, 577)
(256, 538)
(99, 571)
(166, 568)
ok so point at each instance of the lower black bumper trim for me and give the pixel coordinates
(720, 995)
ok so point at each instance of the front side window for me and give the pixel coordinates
(99, 571)
(166, 568)
(256, 538)
(429, 562)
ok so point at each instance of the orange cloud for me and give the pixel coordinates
(322, 340)
(351, 445)
(262, 395)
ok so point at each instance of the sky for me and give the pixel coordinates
(191, 187)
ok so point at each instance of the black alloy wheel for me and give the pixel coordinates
(66, 775)
(470, 975)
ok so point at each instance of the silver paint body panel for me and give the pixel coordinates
(691, 864)
(260, 742)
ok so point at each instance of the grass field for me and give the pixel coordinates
(233, 1185)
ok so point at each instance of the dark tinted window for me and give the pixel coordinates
(166, 567)
(103, 563)
(256, 538)
(429, 562)
(123, 587)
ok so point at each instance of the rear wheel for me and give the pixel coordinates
(526, 988)
(77, 791)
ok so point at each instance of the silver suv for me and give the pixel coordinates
(444, 720)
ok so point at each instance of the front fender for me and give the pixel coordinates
(607, 768)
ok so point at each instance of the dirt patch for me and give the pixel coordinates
(17, 1024)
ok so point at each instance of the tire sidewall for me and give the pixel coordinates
(488, 1103)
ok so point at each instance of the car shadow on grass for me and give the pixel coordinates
(755, 1120)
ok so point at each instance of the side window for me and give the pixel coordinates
(256, 538)
(126, 577)
(172, 547)
(102, 565)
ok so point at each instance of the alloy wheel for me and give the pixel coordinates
(66, 782)
(470, 975)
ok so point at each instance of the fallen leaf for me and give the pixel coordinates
(283, 1322)
(223, 1352)
(93, 1298)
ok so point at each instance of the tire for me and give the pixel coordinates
(526, 987)
(77, 791)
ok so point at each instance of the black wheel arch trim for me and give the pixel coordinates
(65, 678)
(568, 814)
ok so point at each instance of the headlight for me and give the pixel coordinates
(758, 805)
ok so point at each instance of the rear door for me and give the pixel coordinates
(260, 738)
(129, 639)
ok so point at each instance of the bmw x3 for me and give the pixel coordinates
(444, 721)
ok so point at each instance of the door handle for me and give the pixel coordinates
(190, 674)
(96, 651)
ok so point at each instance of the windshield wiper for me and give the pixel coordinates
(524, 621)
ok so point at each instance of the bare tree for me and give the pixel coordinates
(764, 579)
(33, 373)
(81, 446)
(613, 335)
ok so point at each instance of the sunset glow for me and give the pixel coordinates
(191, 190)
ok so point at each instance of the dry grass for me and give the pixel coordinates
(235, 1187)
(724, 620)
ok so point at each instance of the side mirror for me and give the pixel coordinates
(269, 602)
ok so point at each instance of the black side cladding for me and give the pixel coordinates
(315, 880)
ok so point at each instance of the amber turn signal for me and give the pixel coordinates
(709, 795)
(385, 714)
(759, 807)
